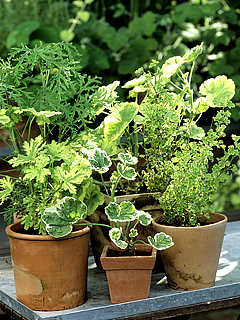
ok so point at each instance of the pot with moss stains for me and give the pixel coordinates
(192, 262)
(49, 273)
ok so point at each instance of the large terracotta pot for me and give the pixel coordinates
(99, 235)
(192, 262)
(129, 277)
(49, 273)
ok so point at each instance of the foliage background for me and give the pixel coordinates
(116, 37)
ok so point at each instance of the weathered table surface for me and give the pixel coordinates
(162, 303)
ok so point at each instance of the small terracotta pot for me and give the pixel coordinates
(192, 262)
(129, 277)
(50, 274)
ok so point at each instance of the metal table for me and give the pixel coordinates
(163, 302)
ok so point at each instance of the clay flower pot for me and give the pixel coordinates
(49, 273)
(129, 277)
(192, 262)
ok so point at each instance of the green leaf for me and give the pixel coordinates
(58, 231)
(120, 213)
(171, 66)
(113, 211)
(218, 91)
(126, 172)
(60, 217)
(17, 39)
(27, 27)
(94, 197)
(83, 15)
(145, 25)
(37, 170)
(70, 177)
(193, 53)
(66, 35)
(71, 210)
(115, 234)
(127, 158)
(31, 149)
(118, 120)
(196, 132)
(6, 187)
(133, 233)
(160, 241)
(4, 119)
(100, 161)
(144, 217)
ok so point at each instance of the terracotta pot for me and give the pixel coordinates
(129, 277)
(49, 273)
(99, 235)
(192, 262)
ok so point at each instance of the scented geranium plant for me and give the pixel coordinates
(180, 161)
(123, 217)
(43, 88)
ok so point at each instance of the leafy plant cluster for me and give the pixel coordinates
(44, 86)
(180, 161)
(60, 217)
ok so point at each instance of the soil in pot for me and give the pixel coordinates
(50, 274)
(192, 262)
(129, 276)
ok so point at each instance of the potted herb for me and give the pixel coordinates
(44, 85)
(128, 258)
(181, 164)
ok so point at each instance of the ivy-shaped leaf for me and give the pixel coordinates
(160, 241)
(144, 218)
(133, 233)
(115, 235)
(126, 172)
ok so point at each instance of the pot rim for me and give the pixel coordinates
(17, 226)
(222, 220)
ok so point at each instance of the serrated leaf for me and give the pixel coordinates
(71, 210)
(115, 234)
(144, 218)
(37, 170)
(126, 172)
(6, 186)
(127, 158)
(60, 217)
(200, 105)
(31, 150)
(133, 233)
(218, 91)
(58, 231)
(160, 241)
(100, 161)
